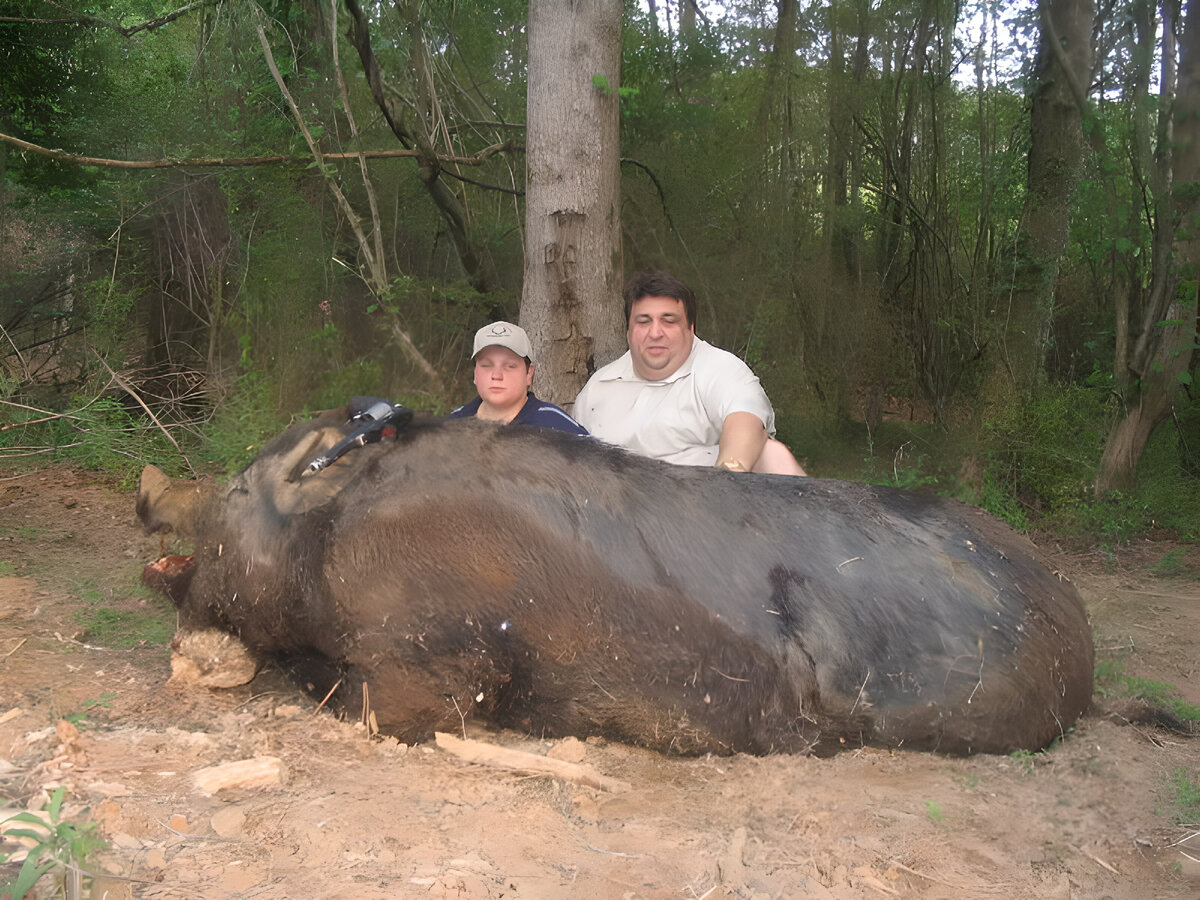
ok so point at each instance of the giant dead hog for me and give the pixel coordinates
(554, 584)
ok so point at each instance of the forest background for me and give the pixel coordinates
(957, 242)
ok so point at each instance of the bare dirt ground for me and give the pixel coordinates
(364, 818)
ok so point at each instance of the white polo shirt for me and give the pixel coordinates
(678, 419)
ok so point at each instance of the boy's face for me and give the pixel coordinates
(501, 377)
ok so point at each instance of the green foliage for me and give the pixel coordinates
(111, 620)
(1111, 681)
(80, 719)
(61, 846)
(1025, 760)
(248, 416)
(1173, 564)
(99, 434)
(933, 811)
(1044, 447)
(998, 499)
(336, 386)
(1183, 794)
(903, 470)
(7, 567)
(1166, 498)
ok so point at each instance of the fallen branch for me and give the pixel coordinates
(127, 388)
(903, 868)
(1094, 858)
(505, 758)
(174, 162)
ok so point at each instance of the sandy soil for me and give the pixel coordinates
(364, 818)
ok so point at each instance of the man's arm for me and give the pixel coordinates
(743, 437)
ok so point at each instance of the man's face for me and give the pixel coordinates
(501, 377)
(660, 338)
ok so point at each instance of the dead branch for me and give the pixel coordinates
(474, 159)
(128, 388)
(378, 283)
(506, 758)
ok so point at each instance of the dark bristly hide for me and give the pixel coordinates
(553, 584)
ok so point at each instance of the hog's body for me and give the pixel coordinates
(551, 583)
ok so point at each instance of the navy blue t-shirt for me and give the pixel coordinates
(534, 412)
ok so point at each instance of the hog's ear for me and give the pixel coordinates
(164, 504)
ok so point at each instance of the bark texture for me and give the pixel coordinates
(1063, 72)
(1162, 356)
(571, 304)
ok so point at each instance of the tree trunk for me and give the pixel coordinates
(1163, 355)
(571, 304)
(1063, 72)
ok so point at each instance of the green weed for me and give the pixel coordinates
(968, 781)
(114, 625)
(1173, 563)
(98, 434)
(933, 812)
(21, 532)
(1025, 760)
(62, 848)
(7, 568)
(125, 628)
(79, 718)
(1111, 681)
(242, 423)
(1183, 789)
(904, 470)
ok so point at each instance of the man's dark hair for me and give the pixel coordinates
(659, 284)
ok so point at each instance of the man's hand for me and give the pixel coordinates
(743, 437)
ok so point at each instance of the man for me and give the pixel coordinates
(503, 376)
(677, 398)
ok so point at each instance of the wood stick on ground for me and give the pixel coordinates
(1094, 858)
(325, 699)
(506, 758)
(261, 771)
(903, 868)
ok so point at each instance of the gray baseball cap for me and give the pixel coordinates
(503, 334)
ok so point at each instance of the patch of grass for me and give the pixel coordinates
(1183, 795)
(111, 623)
(968, 781)
(1025, 760)
(21, 532)
(7, 568)
(126, 628)
(1111, 681)
(1174, 563)
(61, 850)
(933, 812)
(79, 718)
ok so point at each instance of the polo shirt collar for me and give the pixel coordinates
(622, 368)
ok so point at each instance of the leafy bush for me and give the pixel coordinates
(998, 499)
(1043, 448)
(98, 434)
(240, 424)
